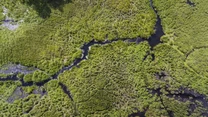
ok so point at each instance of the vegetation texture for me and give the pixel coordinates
(95, 58)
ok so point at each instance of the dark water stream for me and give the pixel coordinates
(155, 38)
(138, 114)
(9, 24)
(66, 91)
(8, 20)
(190, 3)
(183, 95)
(85, 50)
(9, 78)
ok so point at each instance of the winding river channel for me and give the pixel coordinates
(153, 40)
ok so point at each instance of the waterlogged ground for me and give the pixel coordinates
(16, 68)
(8, 22)
(114, 58)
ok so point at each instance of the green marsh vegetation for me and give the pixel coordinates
(36, 77)
(185, 23)
(54, 42)
(117, 79)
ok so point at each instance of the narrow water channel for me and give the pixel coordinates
(153, 40)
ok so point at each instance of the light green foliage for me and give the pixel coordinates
(55, 103)
(28, 77)
(198, 59)
(18, 107)
(7, 89)
(3, 75)
(29, 90)
(1, 15)
(37, 77)
(185, 25)
(20, 76)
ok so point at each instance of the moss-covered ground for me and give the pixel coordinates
(117, 79)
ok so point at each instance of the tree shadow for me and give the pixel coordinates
(44, 7)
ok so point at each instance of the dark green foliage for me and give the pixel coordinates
(39, 76)
(43, 7)
(36, 77)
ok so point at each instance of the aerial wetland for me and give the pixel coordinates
(103, 58)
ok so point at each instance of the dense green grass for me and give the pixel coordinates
(115, 80)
